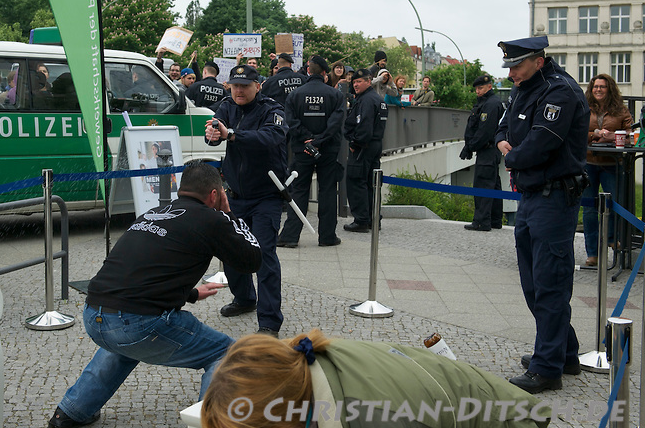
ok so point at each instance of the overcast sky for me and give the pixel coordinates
(475, 26)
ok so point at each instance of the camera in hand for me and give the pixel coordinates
(312, 150)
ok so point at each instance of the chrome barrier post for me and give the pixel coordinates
(50, 319)
(164, 160)
(596, 361)
(618, 331)
(371, 308)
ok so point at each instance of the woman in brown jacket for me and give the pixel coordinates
(608, 114)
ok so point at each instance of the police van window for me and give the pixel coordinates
(52, 87)
(136, 89)
(12, 84)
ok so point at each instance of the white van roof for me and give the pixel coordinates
(25, 49)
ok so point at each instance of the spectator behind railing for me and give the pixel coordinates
(383, 84)
(424, 95)
(399, 83)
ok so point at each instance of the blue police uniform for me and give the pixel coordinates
(259, 146)
(546, 124)
(281, 84)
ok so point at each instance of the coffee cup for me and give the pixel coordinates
(620, 137)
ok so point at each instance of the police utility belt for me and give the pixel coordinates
(572, 185)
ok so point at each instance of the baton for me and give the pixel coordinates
(287, 197)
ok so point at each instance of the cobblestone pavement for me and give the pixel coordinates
(447, 264)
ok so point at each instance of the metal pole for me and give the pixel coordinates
(249, 16)
(371, 308)
(596, 361)
(453, 42)
(423, 44)
(50, 319)
(164, 160)
(618, 331)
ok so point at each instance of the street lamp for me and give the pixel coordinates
(453, 42)
(423, 45)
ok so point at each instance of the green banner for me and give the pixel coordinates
(79, 26)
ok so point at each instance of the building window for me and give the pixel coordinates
(587, 67)
(560, 59)
(558, 20)
(588, 19)
(620, 67)
(620, 18)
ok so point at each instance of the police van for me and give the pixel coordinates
(41, 125)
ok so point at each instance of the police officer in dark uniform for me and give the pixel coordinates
(480, 139)
(284, 81)
(207, 92)
(364, 128)
(543, 137)
(255, 130)
(315, 118)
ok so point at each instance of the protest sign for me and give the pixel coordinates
(283, 43)
(298, 41)
(175, 40)
(225, 65)
(249, 44)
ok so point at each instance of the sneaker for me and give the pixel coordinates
(570, 369)
(61, 420)
(331, 244)
(233, 309)
(268, 331)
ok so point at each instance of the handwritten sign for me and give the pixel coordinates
(175, 40)
(225, 65)
(283, 43)
(298, 41)
(406, 98)
(249, 44)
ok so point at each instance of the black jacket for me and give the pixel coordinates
(281, 84)
(546, 123)
(207, 93)
(259, 146)
(156, 263)
(315, 111)
(483, 121)
(366, 120)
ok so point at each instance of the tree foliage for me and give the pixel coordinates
(21, 12)
(448, 84)
(230, 16)
(399, 61)
(43, 18)
(193, 14)
(11, 33)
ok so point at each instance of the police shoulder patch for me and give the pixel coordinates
(552, 112)
(277, 119)
(483, 117)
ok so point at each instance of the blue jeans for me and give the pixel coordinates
(175, 339)
(604, 175)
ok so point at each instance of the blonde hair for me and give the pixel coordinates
(260, 368)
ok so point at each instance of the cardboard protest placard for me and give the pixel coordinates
(175, 40)
(249, 44)
(283, 43)
(297, 46)
(225, 65)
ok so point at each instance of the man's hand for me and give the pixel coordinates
(223, 201)
(214, 134)
(208, 289)
(504, 147)
(239, 57)
(161, 53)
(466, 153)
(193, 57)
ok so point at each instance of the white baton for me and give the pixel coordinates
(285, 194)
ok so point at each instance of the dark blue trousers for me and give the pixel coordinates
(544, 232)
(263, 218)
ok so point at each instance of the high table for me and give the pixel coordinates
(625, 158)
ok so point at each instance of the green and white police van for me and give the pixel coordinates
(41, 125)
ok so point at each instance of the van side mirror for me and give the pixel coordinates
(180, 103)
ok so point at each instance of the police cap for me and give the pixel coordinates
(516, 51)
(321, 62)
(286, 57)
(482, 80)
(361, 73)
(212, 64)
(243, 74)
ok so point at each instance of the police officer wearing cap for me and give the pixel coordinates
(543, 137)
(255, 131)
(315, 117)
(480, 139)
(284, 81)
(207, 92)
(364, 128)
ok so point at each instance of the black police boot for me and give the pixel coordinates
(286, 244)
(268, 331)
(61, 420)
(233, 309)
(570, 369)
(478, 227)
(357, 227)
(534, 383)
(336, 241)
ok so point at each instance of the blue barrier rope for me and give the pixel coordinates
(84, 176)
(614, 390)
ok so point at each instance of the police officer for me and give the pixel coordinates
(207, 92)
(284, 81)
(543, 136)
(315, 117)
(255, 130)
(364, 128)
(480, 139)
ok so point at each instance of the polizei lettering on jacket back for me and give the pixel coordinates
(290, 84)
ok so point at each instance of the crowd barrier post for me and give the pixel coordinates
(596, 361)
(50, 319)
(371, 308)
(618, 334)
(164, 161)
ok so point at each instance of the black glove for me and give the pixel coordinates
(466, 153)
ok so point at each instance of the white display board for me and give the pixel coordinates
(225, 66)
(139, 149)
(249, 44)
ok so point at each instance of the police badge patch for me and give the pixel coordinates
(277, 119)
(483, 117)
(551, 112)
(358, 118)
